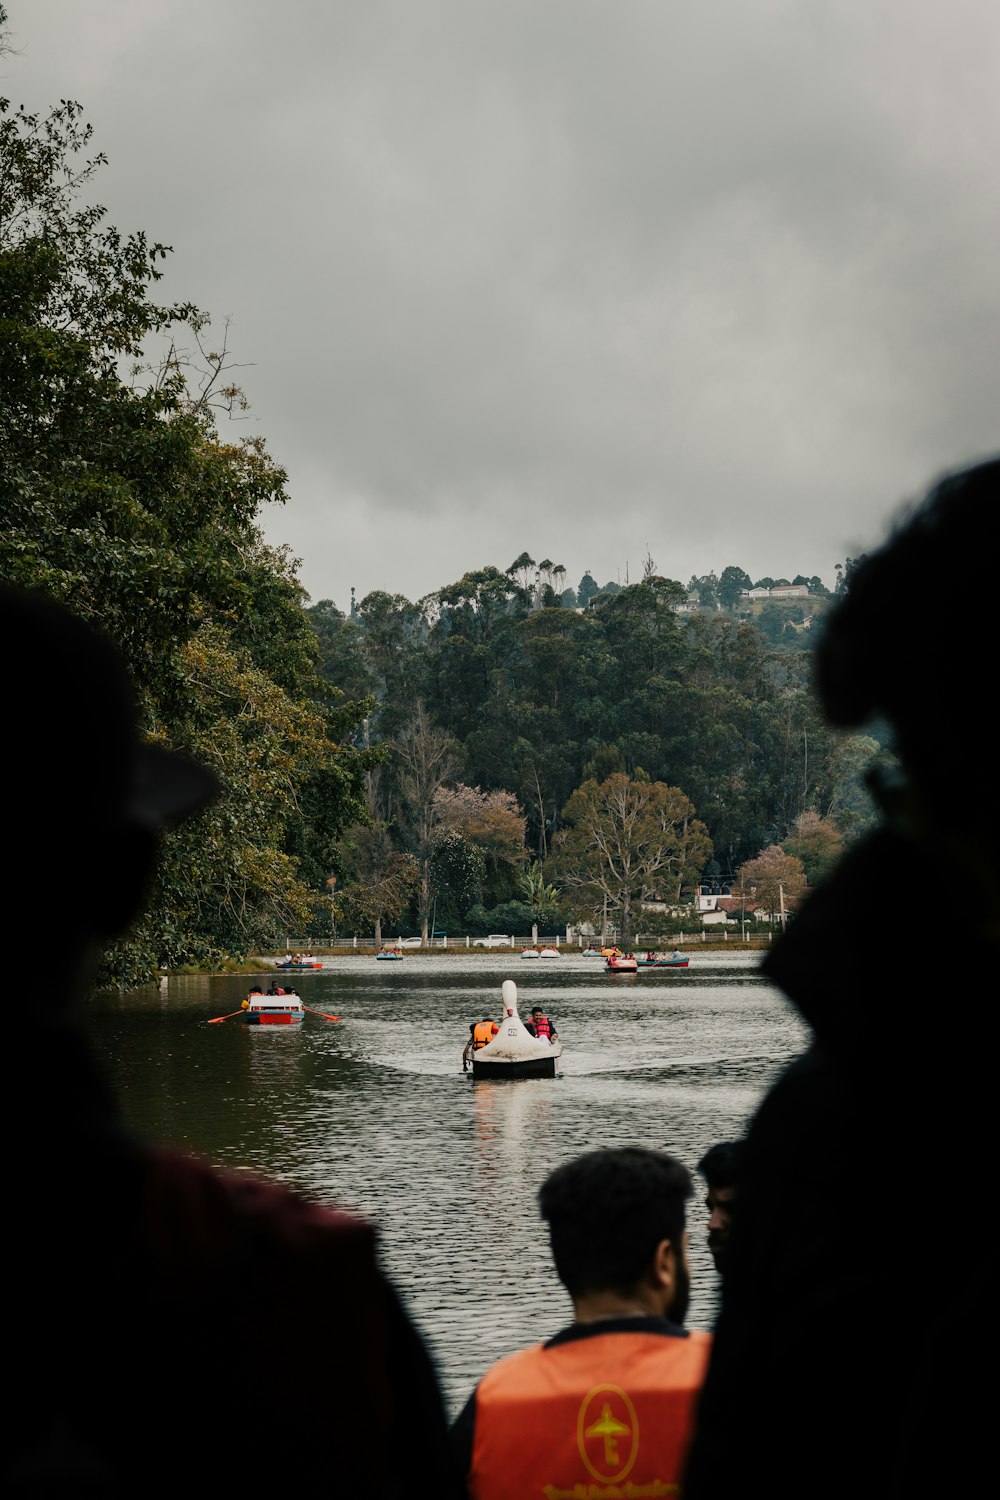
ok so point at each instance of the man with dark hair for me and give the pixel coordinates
(540, 1025)
(154, 1324)
(608, 1404)
(719, 1167)
(842, 1364)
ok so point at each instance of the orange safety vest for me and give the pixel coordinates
(608, 1414)
(485, 1032)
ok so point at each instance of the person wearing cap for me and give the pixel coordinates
(155, 1315)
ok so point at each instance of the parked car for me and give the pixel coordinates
(409, 943)
(495, 940)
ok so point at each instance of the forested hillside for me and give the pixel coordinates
(509, 691)
(504, 751)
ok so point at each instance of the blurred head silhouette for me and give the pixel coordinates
(85, 797)
(908, 644)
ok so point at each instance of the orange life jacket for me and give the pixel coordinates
(485, 1032)
(597, 1415)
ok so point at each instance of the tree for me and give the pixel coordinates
(540, 896)
(458, 868)
(493, 821)
(776, 881)
(628, 841)
(815, 841)
(588, 587)
(845, 572)
(707, 589)
(123, 501)
(381, 880)
(850, 803)
(426, 758)
(732, 582)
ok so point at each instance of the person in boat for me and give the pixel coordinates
(539, 1025)
(251, 992)
(827, 1311)
(141, 1270)
(719, 1167)
(481, 1033)
(611, 1399)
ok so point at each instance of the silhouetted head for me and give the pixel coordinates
(607, 1212)
(720, 1164)
(720, 1169)
(85, 796)
(909, 643)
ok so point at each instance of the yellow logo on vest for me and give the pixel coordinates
(607, 1433)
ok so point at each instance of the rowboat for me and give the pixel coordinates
(514, 1052)
(650, 960)
(303, 966)
(273, 1010)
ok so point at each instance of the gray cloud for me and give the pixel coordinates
(716, 279)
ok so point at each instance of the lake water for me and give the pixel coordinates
(374, 1113)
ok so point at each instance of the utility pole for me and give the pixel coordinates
(781, 900)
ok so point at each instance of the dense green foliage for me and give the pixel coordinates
(121, 499)
(444, 761)
(535, 699)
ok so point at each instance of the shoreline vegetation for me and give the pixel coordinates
(265, 963)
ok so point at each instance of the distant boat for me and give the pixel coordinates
(548, 953)
(390, 955)
(514, 1052)
(622, 963)
(651, 960)
(591, 953)
(529, 952)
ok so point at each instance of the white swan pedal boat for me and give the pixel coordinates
(514, 1052)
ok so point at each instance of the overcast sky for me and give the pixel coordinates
(716, 280)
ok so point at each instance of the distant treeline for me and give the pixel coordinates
(526, 696)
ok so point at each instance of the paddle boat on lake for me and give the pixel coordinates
(273, 1010)
(514, 1052)
(299, 963)
(390, 955)
(622, 963)
(548, 953)
(529, 952)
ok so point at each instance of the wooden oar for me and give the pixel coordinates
(215, 1019)
(321, 1013)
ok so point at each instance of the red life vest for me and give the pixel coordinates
(543, 1027)
(609, 1413)
(485, 1032)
